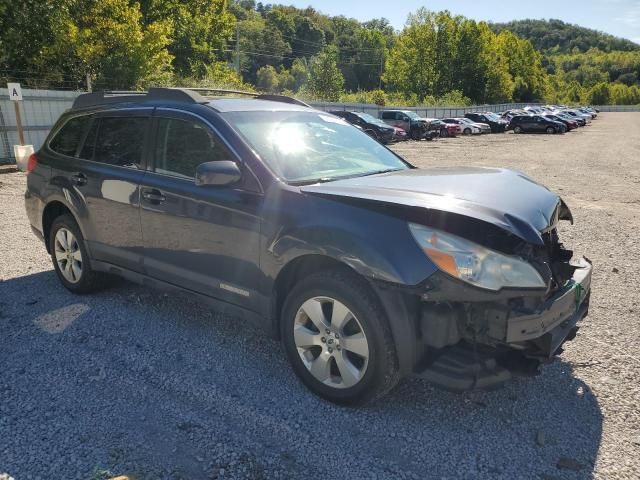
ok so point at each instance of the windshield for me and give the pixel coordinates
(371, 119)
(308, 147)
(492, 116)
(411, 115)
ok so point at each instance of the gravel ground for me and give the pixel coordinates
(134, 382)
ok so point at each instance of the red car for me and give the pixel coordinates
(446, 129)
(399, 134)
(571, 124)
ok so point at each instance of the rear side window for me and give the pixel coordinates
(68, 138)
(119, 141)
(388, 115)
(183, 145)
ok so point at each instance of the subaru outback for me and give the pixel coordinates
(366, 268)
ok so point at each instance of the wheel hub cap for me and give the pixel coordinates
(68, 255)
(331, 342)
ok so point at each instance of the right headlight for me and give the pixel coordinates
(474, 263)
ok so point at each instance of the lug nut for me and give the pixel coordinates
(338, 347)
(337, 335)
(330, 350)
(330, 340)
(323, 340)
(327, 331)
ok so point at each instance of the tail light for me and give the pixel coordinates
(32, 163)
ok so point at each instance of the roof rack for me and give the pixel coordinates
(178, 95)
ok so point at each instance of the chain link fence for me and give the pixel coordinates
(41, 108)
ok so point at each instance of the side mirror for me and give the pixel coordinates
(219, 173)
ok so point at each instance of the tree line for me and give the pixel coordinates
(437, 58)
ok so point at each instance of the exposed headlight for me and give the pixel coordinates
(474, 263)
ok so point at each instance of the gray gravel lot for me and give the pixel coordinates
(136, 382)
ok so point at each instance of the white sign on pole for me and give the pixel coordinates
(15, 92)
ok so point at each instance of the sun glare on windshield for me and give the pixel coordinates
(288, 139)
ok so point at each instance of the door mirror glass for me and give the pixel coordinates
(218, 173)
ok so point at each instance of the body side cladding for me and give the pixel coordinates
(221, 306)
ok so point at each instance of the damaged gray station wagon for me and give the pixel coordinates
(366, 268)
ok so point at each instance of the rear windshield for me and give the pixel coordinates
(308, 146)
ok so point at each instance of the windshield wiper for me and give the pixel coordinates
(378, 172)
(312, 181)
(341, 177)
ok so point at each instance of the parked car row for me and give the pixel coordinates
(549, 118)
(399, 125)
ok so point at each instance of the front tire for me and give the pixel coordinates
(551, 130)
(338, 340)
(517, 129)
(467, 131)
(71, 258)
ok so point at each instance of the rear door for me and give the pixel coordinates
(203, 238)
(103, 177)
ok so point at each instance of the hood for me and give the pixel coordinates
(505, 198)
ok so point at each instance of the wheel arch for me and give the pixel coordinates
(51, 211)
(401, 315)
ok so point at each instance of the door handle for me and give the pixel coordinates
(153, 196)
(79, 179)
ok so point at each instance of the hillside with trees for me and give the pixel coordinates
(556, 36)
(437, 58)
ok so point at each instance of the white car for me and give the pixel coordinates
(577, 113)
(469, 127)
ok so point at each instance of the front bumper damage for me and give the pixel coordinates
(478, 339)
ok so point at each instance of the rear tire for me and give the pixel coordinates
(71, 258)
(350, 361)
(444, 133)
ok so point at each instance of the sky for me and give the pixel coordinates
(617, 17)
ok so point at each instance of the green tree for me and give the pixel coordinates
(200, 34)
(325, 80)
(107, 39)
(469, 67)
(267, 79)
(598, 94)
(300, 74)
(446, 47)
(27, 30)
(410, 67)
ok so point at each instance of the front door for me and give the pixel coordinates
(203, 238)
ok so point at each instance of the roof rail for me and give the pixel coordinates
(221, 90)
(178, 95)
(153, 95)
(283, 99)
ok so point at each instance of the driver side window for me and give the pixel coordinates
(182, 145)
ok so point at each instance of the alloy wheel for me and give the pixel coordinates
(331, 342)
(68, 255)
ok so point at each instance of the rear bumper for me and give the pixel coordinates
(482, 342)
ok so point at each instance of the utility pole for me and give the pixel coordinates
(89, 89)
(381, 67)
(237, 47)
